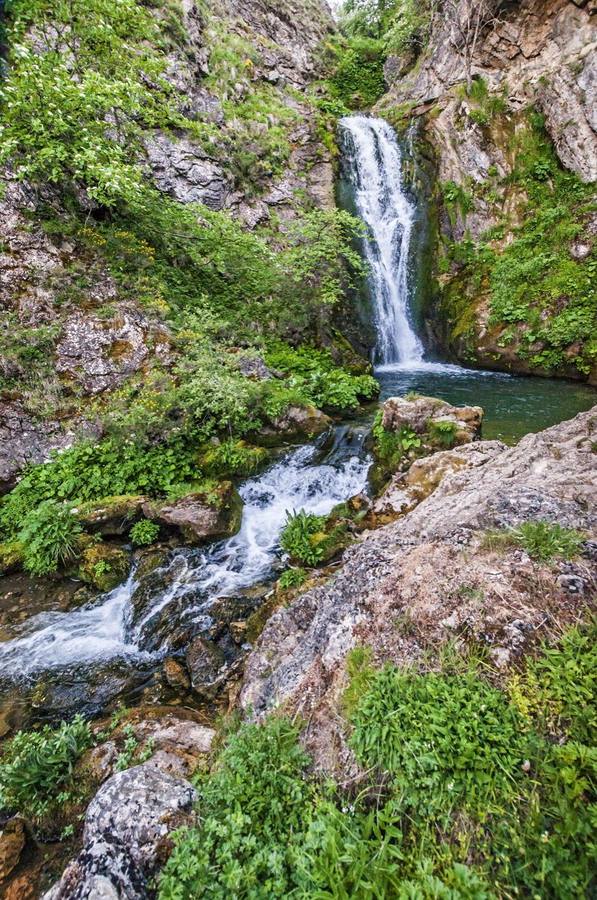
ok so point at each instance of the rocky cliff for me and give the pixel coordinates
(74, 331)
(515, 157)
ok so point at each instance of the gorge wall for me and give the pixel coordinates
(515, 161)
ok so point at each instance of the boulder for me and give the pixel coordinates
(421, 414)
(12, 842)
(126, 825)
(104, 566)
(111, 516)
(207, 667)
(200, 517)
(298, 423)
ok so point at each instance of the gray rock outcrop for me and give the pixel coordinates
(431, 575)
(125, 825)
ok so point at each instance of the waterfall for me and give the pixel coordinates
(373, 165)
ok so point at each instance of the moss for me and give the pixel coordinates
(11, 557)
(537, 300)
(103, 566)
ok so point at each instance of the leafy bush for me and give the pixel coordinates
(444, 432)
(358, 79)
(36, 768)
(304, 537)
(292, 578)
(49, 537)
(253, 812)
(392, 446)
(144, 533)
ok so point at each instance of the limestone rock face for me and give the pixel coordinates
(430, 575)
(541, 51)
(100, 355)
(125, 825)
(23, 440)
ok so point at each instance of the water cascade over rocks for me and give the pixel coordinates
(314, 478)
(373, 165)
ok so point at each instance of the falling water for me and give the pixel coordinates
(107, 628)
(373, 164)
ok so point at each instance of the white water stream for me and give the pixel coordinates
(373, 163)
(102, 630)
(111, 627)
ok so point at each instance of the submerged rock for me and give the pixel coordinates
(126, 825)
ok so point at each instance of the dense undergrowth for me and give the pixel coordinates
(468, 791)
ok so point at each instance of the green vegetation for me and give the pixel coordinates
(542, 298)
(391, 447)
(36, 768)
(464, 795)
(541, 540)
(443, 431)
(304, 538)
(49, 537)
(144, 533)
(292, 578)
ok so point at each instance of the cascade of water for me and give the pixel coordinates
(373, 164)
(105, 629)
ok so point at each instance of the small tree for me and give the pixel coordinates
(467, 21)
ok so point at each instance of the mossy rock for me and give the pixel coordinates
(104, 566)
(111, 516)
(200, 516)
(11, 557)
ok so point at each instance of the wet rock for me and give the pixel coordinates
(126, 825)
(112, 516)
(104, 566)
(207, 667)
(176, 675)
(200, 517)
(296, 424)
(12, 842)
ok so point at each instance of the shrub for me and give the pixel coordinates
(292, 578)
(144, 533)
(36, 767)
(49, 537)
(392, 446)
(444, 432)
(253, 812)
(304, 537)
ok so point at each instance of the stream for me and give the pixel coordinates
(90, 654)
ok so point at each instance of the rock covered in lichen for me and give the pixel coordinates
(126, 826)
